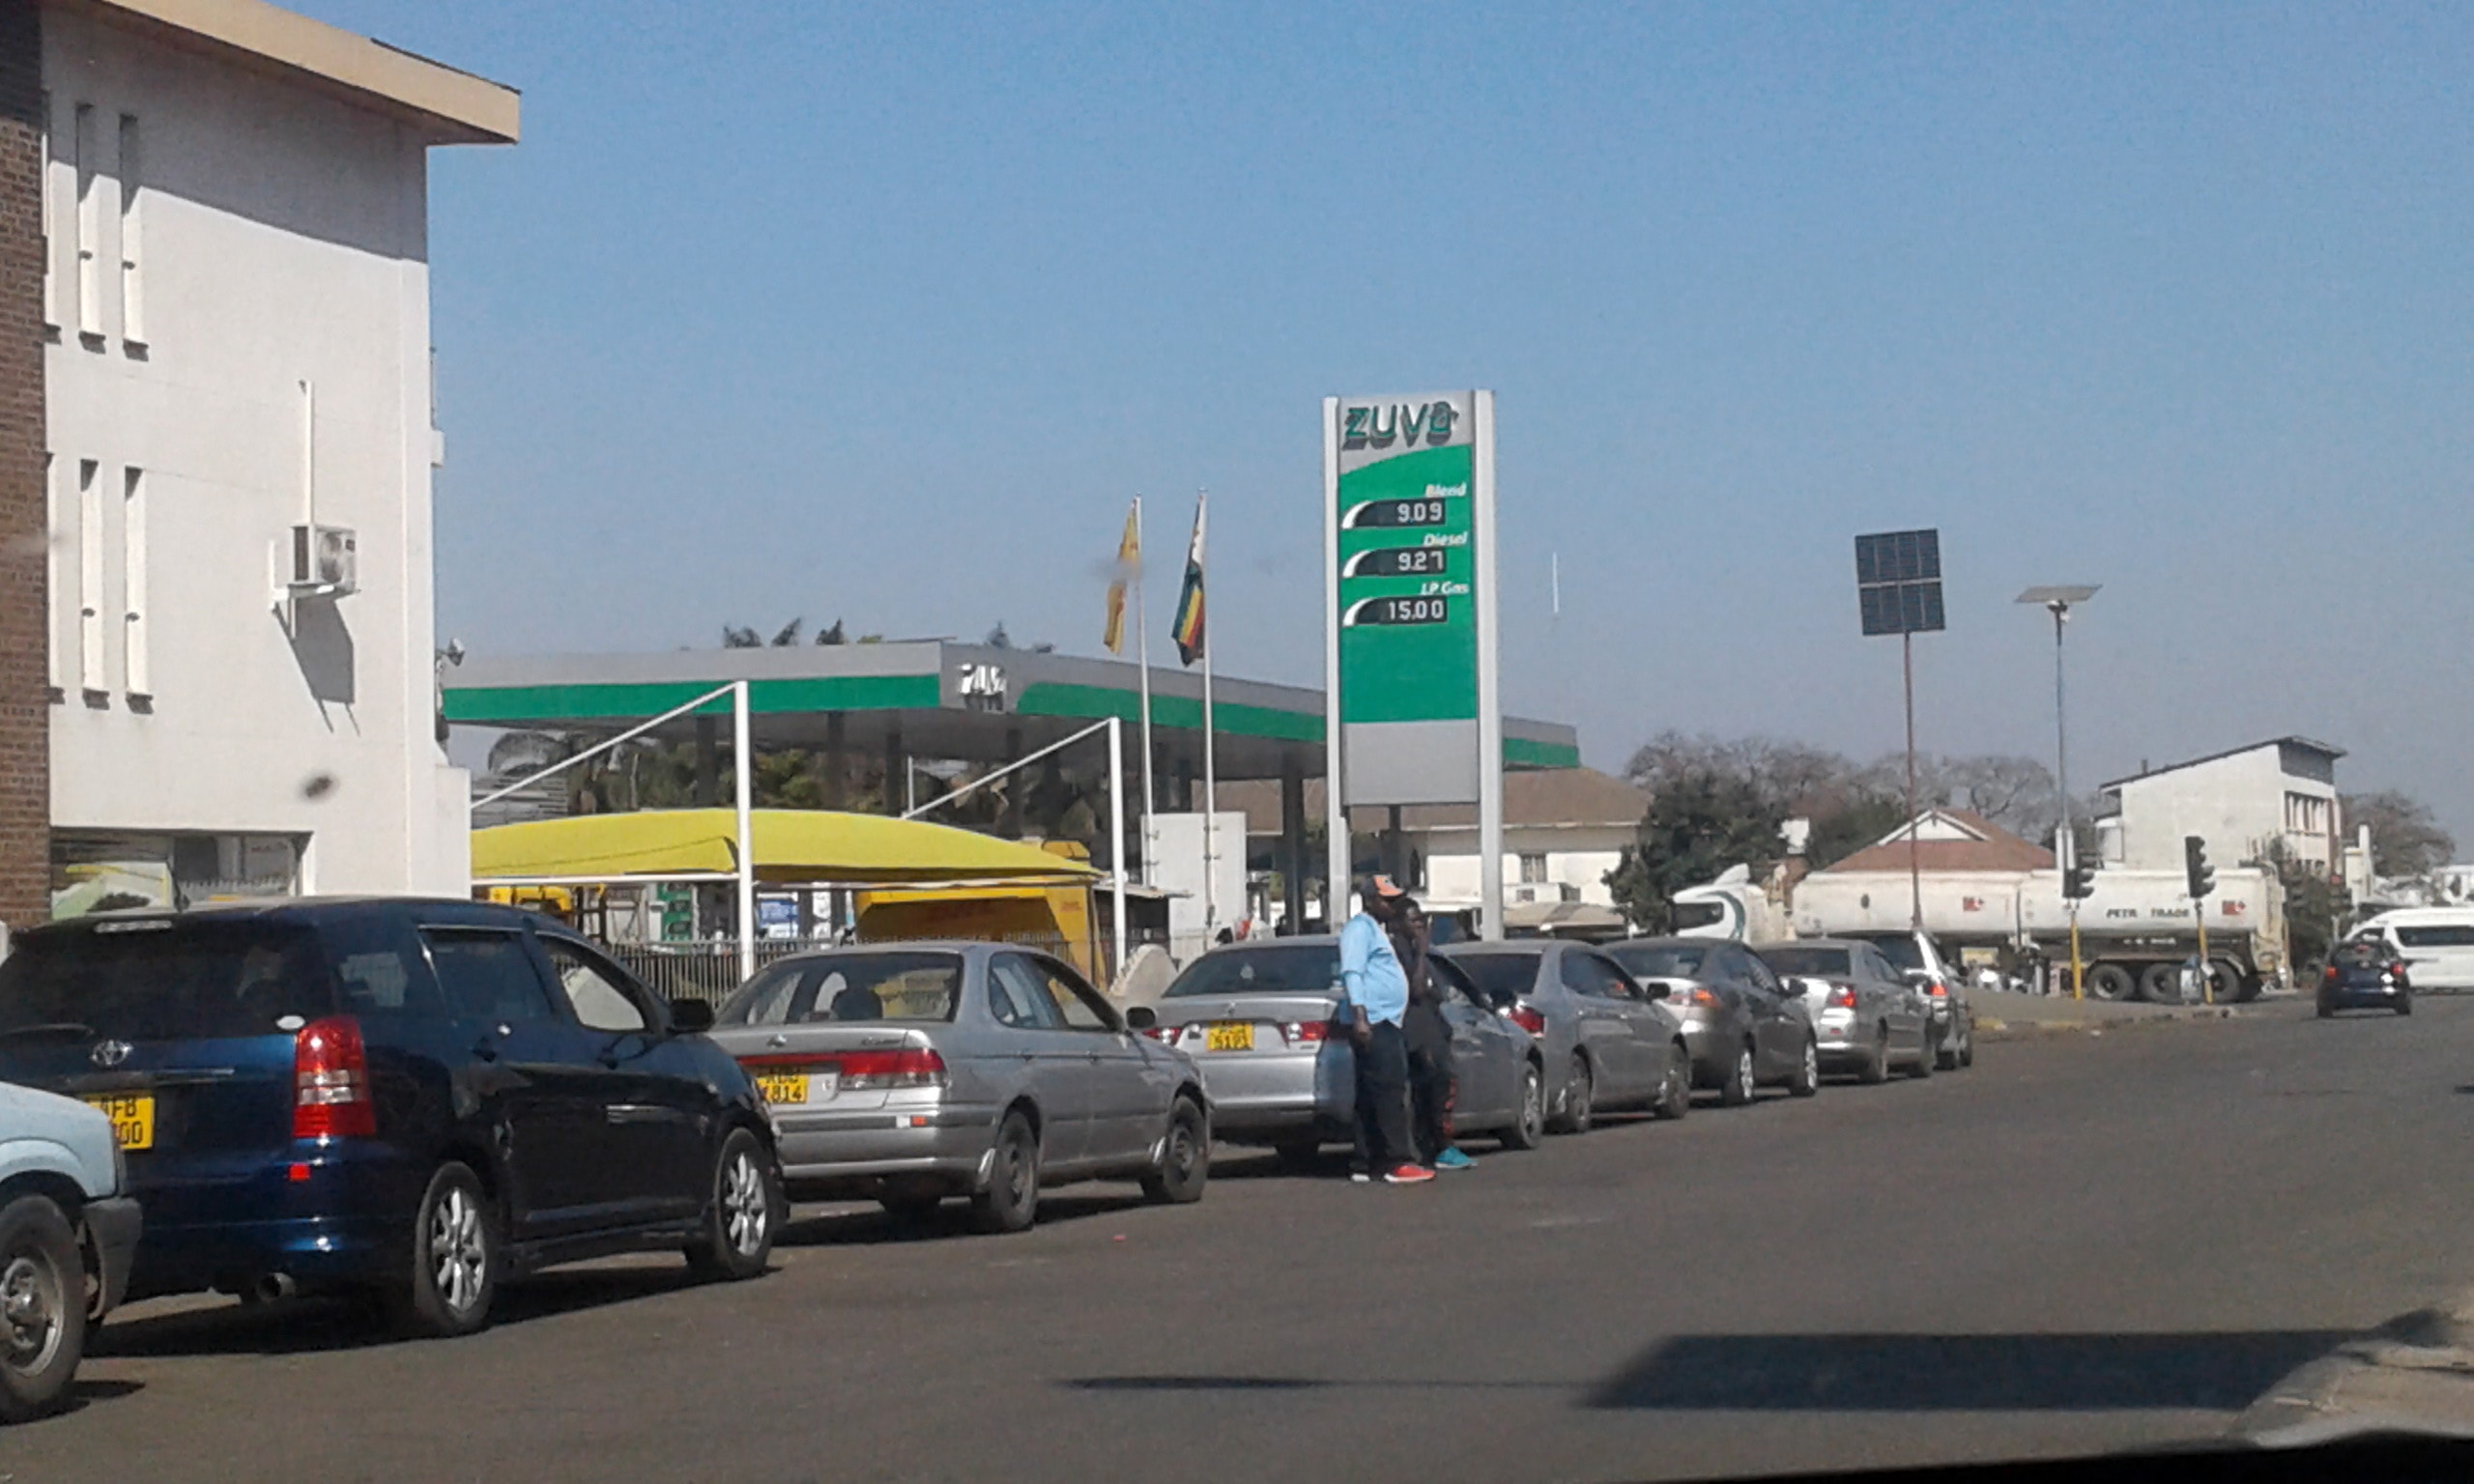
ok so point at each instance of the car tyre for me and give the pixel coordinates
(1185, 1158)
(42, 1306)
(1876, 1070)
(1675, 1097)
(1580, 1097)
(1529, 1121)
(1967, 1046)
(747, 1209)
(1806, 1081)
(2327, 1012)
(2404, 1003)
(1739, 1086)
(1926, 1056)
(455, 1259)
(1011, 1203)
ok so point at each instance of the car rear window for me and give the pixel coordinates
(1806, 960)
(1499, 975)
(1901, 951)
(1673, 960)
(2442, 936)
(849, 989)
(160, 979)
(1301, 970)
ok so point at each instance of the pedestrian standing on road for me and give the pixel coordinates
(1428, 1035)
(1377, 994)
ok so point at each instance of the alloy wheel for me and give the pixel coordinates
(459, 1256)
(747, 1212)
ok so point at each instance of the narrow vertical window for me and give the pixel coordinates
(132, 298)
(50, 228)
(90, 223)
(55, 589)
(90, 577)
(136, 668)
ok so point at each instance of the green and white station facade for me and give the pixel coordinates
(934, 700)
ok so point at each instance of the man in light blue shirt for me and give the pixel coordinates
(1377, 1001)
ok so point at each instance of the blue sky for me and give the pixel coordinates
(881, 312)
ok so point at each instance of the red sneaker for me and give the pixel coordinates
(1409, 1175)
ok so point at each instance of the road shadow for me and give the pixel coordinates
(2199, 1370)
(310, 1324)
(82, 1394)
(871, 1225)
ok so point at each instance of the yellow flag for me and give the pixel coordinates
(1129, 563)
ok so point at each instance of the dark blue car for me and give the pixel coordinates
(424, 1098)
(2364, 975)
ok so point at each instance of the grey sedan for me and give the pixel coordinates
(910, 1075)
(1864, 1012)
(1606, 1044)
(1257, 1018)
(1745, 1029)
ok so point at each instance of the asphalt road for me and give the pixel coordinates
(2084, 1243)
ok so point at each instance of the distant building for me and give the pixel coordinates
(2238, 801)
(217, 672)
(1564, 829)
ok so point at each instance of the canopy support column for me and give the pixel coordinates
(743, 765)
(1116, 846)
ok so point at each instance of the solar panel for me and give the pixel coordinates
(1898, 582)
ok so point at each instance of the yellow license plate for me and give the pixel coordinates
(132, 1116)
(783, 1087)
(1228, 1036)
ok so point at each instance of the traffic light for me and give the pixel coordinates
(2197, 873)
(2079, 882)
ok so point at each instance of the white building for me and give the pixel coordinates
(237, 385)
(1564, 829)
(2284, 789)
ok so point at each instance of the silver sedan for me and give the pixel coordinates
(913, 1074)
(1606, 1044)
(1865, 1014)
(1256, 1018)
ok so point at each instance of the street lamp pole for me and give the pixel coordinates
(2058, 601)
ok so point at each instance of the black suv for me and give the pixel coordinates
(422, 1099)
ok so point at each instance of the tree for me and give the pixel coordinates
(832, 636)
(1699, 823)
(2313, 905)
(2406, 838)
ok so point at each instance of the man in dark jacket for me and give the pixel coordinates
(1429, 1039)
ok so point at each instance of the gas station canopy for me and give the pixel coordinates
(792, 846)
(929, 699)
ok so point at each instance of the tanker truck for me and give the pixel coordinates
(2136, 931)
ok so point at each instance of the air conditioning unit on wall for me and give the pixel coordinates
(326, 561)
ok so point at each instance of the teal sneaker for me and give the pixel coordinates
(1451, 1159)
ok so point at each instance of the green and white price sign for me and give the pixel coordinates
(1408, 536)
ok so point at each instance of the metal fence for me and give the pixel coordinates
(705, 970)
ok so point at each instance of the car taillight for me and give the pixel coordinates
(2397, 968)
(1307, 1033)
(1529, 1020)
(1843, 997)
(1162, 1033)
(1703, 996)
(875, 1071)
(330, 1082)
(2329, 975)
(1937, 990)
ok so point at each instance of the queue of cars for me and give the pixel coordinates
(422, 1100)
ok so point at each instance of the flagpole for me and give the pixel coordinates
(1210, 782)
(1143, 663)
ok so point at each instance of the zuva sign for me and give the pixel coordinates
(1397, 422)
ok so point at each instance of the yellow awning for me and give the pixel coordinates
(792, 845)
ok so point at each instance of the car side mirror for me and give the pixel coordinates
(1142, 1017)
(689, 1016)
(1656, 990)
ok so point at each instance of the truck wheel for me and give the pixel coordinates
(2161, 984)
(2232, 984)
(42, 1307)
(2109, 981)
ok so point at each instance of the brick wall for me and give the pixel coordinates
(25, 709)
